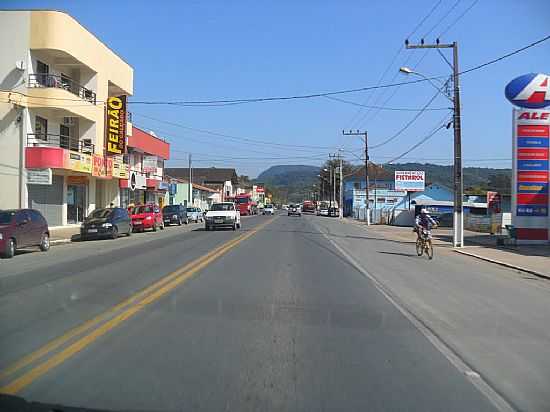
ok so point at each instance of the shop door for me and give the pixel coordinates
(48, 200)
(76, 200)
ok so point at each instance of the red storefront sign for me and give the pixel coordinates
(102, 167)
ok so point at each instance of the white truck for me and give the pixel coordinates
(223, 214)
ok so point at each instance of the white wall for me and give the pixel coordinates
(14, 44)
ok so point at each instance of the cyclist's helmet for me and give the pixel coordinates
(423, 211)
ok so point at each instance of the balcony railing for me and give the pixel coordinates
(62, 82)
(65, 142)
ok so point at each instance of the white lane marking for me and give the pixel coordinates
(453, 357)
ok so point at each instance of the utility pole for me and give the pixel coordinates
(341, 201)
(458, 218)
(365, 138)
(190, 189)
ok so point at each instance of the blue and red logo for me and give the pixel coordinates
(530, 90)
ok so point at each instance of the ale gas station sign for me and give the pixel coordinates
(531, 136)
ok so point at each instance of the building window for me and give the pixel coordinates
(41, 128)
(381, 199)
(356, 185)
(42, 72)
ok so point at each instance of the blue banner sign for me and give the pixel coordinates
(533, 165)
(523, 210)
(536, 142)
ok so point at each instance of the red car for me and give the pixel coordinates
(21, 228)
(147, 217)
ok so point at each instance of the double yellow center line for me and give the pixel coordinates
(110, 319)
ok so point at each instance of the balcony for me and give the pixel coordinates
(62, 82)
(64, 142)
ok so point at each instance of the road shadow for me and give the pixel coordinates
(397, 253)
(332, 235)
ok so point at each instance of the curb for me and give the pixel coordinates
(508, 265)
(59, 242)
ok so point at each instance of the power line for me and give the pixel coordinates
(422, 141)
(303, 96)
(398, 109)
(505, 56)
(399, 50)
(458, 18)
(373, 116)
(220, 159)
(442, 18)
(409, 123)
(244, 139)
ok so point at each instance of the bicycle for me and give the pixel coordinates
(424, 243)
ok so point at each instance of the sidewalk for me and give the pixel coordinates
(534, 259)
(63, 234)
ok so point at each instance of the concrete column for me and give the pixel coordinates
(91, 195)
(64, 202)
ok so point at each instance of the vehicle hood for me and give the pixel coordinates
(96, 221)
(219, 213)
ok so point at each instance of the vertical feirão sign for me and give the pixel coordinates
(115, 125)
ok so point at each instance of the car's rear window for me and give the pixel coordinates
(101, 213)
(6, 217)
(222, 206)
(143, 209)
(170, 209)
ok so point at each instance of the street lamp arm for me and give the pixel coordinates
(406, 70)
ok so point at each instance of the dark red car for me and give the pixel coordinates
(20, 228)
(147, 217)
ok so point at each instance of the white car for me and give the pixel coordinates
(269, 209)
(222, 215)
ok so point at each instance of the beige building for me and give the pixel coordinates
(55, 77)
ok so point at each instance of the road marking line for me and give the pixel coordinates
(61, 340)
(496, 398)
(54, 344)
(176, 279)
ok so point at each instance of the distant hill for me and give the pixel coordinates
(283, 175)
(475, 178)
(292, 182)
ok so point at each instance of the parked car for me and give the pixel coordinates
(21, 228)
(147, 217)
(195, 214)
(323, 212)
(294, 210)
(333, 211)
(108, 222)
(222, 214)
(269, 209)
(174, 214)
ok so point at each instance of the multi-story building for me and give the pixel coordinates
(59, 83)
(146, 155)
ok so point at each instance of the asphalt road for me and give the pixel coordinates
(272, 317)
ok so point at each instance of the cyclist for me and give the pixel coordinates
(424, 220)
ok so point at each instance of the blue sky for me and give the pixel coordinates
(191, 50)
